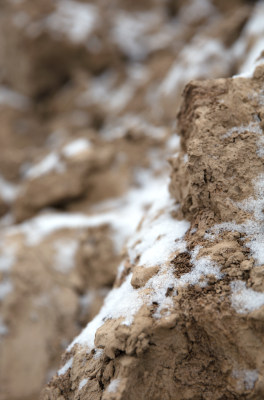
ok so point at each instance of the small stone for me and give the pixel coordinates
(141, 275)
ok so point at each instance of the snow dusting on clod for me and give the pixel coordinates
(131, 200)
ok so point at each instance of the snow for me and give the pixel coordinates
(75, 147)
(120, 270)
(39, 227)
(66, 367)
(133, 123)
(246, 377)
(98, 354)
(12, 99)
(251, 64)
(3, 328)
(256, 247)
(252, 228)
(65, 251)
(250, 377)
(112, 388)
(74, 19)
(252, 127)
(159, 285)
(210, 60)
(165, 279)
(252, 33)
(128, 30)
(116, 96)
(7, 257)
(123, 301)
(203, 266)
(255, 23)
(173, 142)
(196, 10)
(137, 34)
(83, 383)
(155, 241)
(8, 191)
(245, 300)
(48, 164)
(160, 235)
(122, 215)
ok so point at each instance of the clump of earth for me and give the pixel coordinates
(131, 200)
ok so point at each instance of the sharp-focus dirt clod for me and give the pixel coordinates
(131, 200)
(189, 318)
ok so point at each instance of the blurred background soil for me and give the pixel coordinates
(89, 93)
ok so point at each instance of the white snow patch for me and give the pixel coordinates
(75, 147)
(66, 367)
(130, 32)
(115, 95)
(112, 388)
(83, 383)
(210, 60)
(245, 300)
(65, 251)
(3, 328)
(173, 142)
(246, 377)
(13, 99)
(123, 215)
(252, 62)
(74, 19)
(48, 164)
(252, 127)
(39, 227)
(250, 377)
(255, 23)
(252, 228)
(157, 237)
(137, 34)
(165, 279)
(252, 33)
(120, 270)
(133, 123)
(7, 257)
(196, 10)
(203, 266)
(8, 191)
(98, 354)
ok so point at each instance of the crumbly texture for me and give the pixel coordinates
(88, 101)
(217, 173)
(202, 348)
